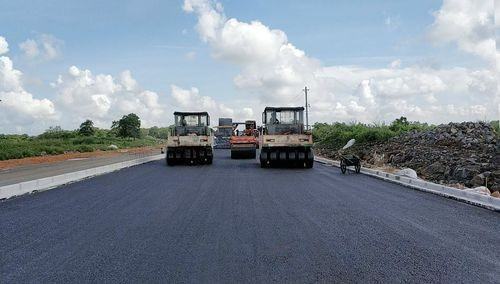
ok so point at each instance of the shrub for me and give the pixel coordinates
(58, 133)
(85, 140)
(85, 148)
(52, 150)
(337, 134)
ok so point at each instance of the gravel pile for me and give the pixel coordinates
(465, 153)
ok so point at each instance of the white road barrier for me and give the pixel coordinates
(485, 201)
(42, 184)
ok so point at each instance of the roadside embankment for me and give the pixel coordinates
(463, 155)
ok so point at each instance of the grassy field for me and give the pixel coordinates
(22, 146)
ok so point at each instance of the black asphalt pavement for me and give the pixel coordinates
(235, 222)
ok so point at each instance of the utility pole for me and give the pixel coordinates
(307, 108)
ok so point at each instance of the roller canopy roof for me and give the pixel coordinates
(190, 113)
(283, 108)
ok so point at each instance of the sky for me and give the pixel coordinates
(62, 62)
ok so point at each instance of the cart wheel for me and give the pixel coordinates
(357, 168)
(343, 168)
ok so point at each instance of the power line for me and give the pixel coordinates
(297, 97)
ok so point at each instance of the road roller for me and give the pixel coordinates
(284, 140)
(190, 140)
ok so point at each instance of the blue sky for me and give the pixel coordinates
(159, 42)
(146, 36)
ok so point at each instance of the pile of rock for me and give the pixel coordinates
(465, 153)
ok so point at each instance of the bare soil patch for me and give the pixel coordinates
(9, 164)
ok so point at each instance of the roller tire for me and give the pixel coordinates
(343, 168)
(254, 155)
(357, 168)
(309, 164)
(264, 164)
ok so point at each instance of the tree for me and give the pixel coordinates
(154, 131)
(54, 129)
(128, 126)
(144, 132)
(399, 124)
(402, 120)
(159, 132)
(87, 128)
(163, 132)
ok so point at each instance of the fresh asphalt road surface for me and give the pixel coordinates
(235, 222)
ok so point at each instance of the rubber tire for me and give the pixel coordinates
(170, 163)
(357, 168)
(309, 164)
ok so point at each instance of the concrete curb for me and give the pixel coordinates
(484, 201)
(42, 184)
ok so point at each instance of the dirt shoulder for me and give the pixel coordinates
(13, 163)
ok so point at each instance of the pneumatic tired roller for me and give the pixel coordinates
(285, 141)
(190, 140)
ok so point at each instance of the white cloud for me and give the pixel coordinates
(191, 100)
(19, 109)
(365, 94)
(274, 68)
(247, 113)
(413, 91)
(30, 48)
(395, 64)
(4, 46)
(45, 46)
(269, 63)
(209, 17)
(128, 81)
(469, 24)
(102, 98)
